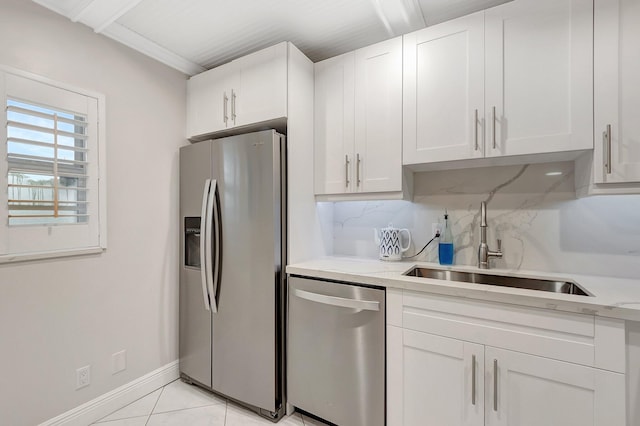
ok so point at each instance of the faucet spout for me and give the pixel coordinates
(484, 253)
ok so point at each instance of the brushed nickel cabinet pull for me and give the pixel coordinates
(225, 101)
(606, 136)
(473, 379)
(233, 106)
(358, 169)
(494, 127)
(495, 385)
(475, 125)
(346, 171)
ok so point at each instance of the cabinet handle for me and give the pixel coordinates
(225, 100)
(358, 169)
(495, 385)
(346, 171)
(606, 136)
(494, 127)
(233, 106)
(475, 125)
(473, 379)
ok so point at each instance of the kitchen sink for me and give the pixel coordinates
(553, 286)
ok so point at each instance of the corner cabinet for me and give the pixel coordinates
(516, 82)
(248, 90)
(474, 363)
(358, 121)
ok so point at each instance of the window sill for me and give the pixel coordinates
(14, 258)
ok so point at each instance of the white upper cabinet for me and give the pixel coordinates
(538, 62)
(378, 117)
(208, 99)
(333, 124)
(248, 90)
(261, 90)
(358, 121)
(617, 91)
(512, 80)
(443, 94)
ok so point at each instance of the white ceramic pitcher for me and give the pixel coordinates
(389, 241)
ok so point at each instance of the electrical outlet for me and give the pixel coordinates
(436, 227)
(118, 362)
(83, 376)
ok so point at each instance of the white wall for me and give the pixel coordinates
(58, 315)
(541, 223)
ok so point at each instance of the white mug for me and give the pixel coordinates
(388, 239)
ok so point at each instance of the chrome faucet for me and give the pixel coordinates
(483, 250)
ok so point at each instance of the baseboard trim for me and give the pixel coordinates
(109, 402)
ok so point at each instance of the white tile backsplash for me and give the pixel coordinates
(541, 223)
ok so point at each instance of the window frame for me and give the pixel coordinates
(100, 163)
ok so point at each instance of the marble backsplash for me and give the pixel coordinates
(532, 208)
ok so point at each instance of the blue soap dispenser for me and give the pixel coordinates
(445, 243)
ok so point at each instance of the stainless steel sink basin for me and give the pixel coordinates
(554, 286)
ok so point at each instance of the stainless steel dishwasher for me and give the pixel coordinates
(336, 351)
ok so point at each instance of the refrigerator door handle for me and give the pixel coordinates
(208, 262)
(214, 277)
(365, 305)
(203, 243)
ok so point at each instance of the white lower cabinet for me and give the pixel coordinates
(436, 379)
(528, 390)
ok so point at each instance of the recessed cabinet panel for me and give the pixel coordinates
(378, 117)
(538, 80)
(333, 125)
(443, 91)
(617, 91)
(443, 381)
(527, 390)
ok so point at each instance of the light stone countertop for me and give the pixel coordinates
(612, 297)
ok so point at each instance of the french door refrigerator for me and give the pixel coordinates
(233, 248)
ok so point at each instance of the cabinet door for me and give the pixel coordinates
(378, 117)
(534, 391)
(444, 91)
(617, 91)
(333, 124)
(208, 101)
(539, 85)
(431, 380)
(260, 90)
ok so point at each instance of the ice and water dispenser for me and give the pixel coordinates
(192, 242)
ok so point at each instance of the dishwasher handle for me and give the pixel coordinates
(366, 305)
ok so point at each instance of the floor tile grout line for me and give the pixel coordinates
(155, 405)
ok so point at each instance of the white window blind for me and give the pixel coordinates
(52, 169)
(47, 165)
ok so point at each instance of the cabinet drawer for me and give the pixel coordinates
(577, 338)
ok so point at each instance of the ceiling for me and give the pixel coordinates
(195, 35)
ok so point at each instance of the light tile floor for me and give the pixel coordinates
(180, 404)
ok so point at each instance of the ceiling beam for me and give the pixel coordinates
(99, 14)
(143, 45)
(399, 16)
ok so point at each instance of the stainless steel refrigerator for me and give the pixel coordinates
(233, 248)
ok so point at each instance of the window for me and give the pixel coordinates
(52, 170)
